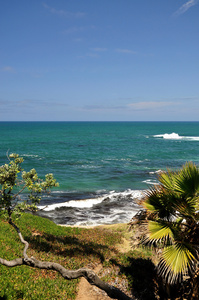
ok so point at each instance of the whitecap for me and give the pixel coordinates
(73, 203)
(149, 181)
(30, 155)
(194, 138)
(89, 203)
(171, 136)
(156, 172)
(176, 136)
(133, 194)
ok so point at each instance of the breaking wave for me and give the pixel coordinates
(109, 208)
(176, 136)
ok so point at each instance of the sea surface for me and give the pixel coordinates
(102, 167)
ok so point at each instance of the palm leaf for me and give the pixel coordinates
(167, 179)
(187, 180)
(173, 207)
(176, 260)
(186, 207)
(159, 231)
(160, 201)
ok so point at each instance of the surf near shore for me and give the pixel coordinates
(102, 209)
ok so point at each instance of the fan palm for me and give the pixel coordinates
(173, 222)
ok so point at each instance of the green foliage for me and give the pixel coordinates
(14, 180)
(71, 247)
(172, 209)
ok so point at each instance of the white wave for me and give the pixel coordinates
(133, 194)
(171, 136)
(156, 172)
(73, 203)
(176, 136)
(88, 203)
(149, 181)
(194, 138)
(113, 218)
(30, 155)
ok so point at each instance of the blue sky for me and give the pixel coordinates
(108, 60)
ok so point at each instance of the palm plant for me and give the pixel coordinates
(172, 209)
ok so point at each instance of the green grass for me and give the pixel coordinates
(73, 248)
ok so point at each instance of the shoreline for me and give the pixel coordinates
(107, 226)
(106, 209)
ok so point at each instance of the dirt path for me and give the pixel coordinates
(89, 292)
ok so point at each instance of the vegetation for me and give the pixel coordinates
(73, 248)
(172, 219)
(12, 186)
(11, 207)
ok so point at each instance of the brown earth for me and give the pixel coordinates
(89, 292)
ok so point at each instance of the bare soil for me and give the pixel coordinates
(89, 292)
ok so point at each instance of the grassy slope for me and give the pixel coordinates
(73, 248)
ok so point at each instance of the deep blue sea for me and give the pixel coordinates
(102, 167)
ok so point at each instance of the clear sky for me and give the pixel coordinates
(107, 60)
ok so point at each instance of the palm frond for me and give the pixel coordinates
(177, 260)
(187, 180)
(159, 232)
(186, 207)
(167, 180)
(160, 201)
(174, 224)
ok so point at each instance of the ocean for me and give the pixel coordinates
(102, 167)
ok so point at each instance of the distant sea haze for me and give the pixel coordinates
(102, 167)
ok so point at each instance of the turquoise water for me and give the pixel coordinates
(97, 161)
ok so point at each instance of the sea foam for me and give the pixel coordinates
(73, 203)
(89, 203)
(176, 136)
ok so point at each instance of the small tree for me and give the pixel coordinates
(13, 181)
(172, 222)
(12, 186)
